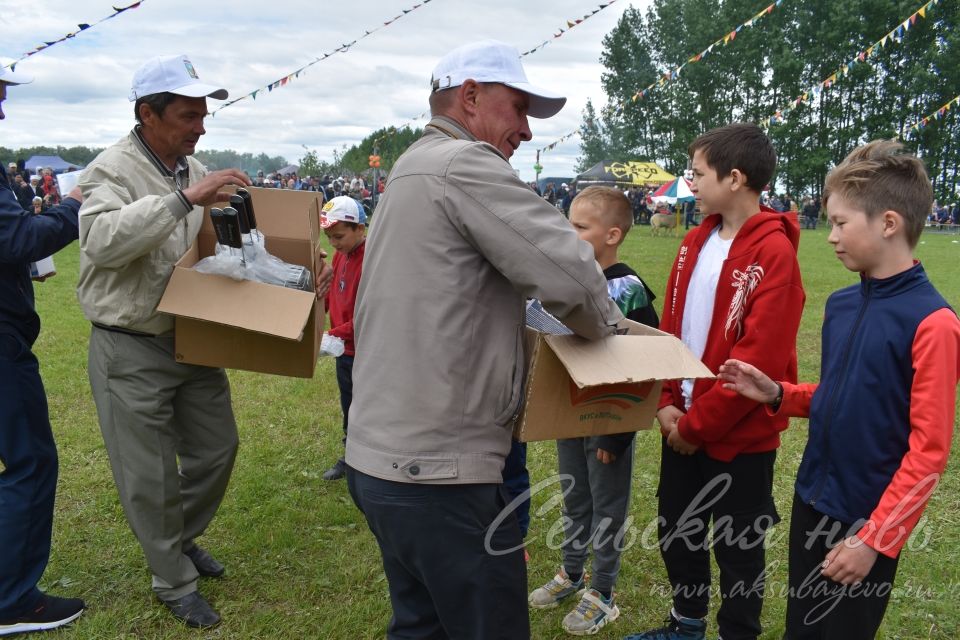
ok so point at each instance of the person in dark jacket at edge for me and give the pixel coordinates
(28, 454)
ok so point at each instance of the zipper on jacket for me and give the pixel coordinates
(832, 401)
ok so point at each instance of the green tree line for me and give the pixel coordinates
(765, 68)
(212, 159)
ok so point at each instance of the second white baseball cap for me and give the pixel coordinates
(493, 61)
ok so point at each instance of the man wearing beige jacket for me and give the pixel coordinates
(458, 243)
(168, 427)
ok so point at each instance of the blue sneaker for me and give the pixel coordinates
(674, 630)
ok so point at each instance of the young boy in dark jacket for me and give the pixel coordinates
(889, 372)
(735, 289)
(596, 497)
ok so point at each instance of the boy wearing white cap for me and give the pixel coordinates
(168, 427)
(459, 244)
(343, 220)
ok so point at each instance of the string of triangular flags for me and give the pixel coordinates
(939, 114)
(83, 26)
(296, 73)
(673, 74)
(570, 25)
(895, 36)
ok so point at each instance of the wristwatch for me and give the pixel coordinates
(775, 405)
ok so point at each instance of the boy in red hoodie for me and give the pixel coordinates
(344, 223)
(735, 288)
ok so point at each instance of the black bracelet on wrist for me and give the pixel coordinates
(775, 405)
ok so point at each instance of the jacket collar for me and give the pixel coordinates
(894, 285)
(178, 171)
(450, 128)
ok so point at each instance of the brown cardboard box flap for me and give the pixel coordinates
(253, 306)
(630, 358)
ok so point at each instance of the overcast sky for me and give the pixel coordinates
(80, 93)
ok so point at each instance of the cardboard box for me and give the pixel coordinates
(577, 387)
(250, 325)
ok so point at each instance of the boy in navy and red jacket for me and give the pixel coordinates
(881, 418)
(344, 223)
(734, 291)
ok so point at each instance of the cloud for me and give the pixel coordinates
(81, 87)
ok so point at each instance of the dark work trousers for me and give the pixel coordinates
(819, 608)
(449, 577)
(738, 496)
(516, 481)
(345, 383)
(28, 481)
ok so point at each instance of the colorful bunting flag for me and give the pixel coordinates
(673, 74)
(343, 48)
(936, 115)
(893, 36)
(570, 25)
(83, 26)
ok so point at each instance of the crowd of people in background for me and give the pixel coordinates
(35, 192)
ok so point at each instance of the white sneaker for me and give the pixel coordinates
(591, 614)
(550, 594)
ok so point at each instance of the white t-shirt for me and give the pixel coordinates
(701, 293)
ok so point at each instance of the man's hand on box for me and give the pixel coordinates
(325, 277)
(208, 190)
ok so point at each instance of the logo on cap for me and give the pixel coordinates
(190, 69)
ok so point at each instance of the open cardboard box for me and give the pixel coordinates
(577, 387)
(248, 325)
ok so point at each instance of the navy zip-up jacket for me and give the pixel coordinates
(860, 413)
(26, 237)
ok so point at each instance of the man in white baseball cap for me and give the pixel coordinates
(144, 199)
(28, 453)
(459, 241)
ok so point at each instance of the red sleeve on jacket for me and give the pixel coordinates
(768, 342)
(936, 366)
(343, 331)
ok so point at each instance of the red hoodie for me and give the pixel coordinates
(756, 315)
(342, 296)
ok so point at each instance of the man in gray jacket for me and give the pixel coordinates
(168, 426)
(458, 244)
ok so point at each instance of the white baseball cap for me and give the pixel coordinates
(342, 209)
(172, 74)
(493, 61)
(9, 76)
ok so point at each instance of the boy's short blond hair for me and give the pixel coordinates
(881, 176)
(612, 205)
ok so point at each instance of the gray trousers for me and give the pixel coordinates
(595, 504)
(153, 413)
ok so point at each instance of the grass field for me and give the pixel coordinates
(301, 562)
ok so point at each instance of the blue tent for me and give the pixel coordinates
(56, 163)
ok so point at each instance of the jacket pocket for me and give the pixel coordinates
(508, 414)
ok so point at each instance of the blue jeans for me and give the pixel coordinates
(28, 483)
